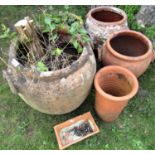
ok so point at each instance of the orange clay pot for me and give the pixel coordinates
(114, 86)
(129, 49)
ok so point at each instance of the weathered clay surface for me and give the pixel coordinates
(146, 15)
(57, 92)
(99, 31)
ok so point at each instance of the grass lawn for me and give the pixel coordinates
(22, 127)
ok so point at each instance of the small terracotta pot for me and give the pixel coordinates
(129, 49)
(114, 86)
(104, 20)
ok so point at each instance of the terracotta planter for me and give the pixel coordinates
(115, 86)
(52, 92)
(64, 139)
(129, 49)
(102, 21)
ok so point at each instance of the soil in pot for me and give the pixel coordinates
(68, 56)
(52, 62)
(125, 45)
(106, 16)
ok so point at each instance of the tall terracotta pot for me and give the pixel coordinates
(129, 49)
(104, 20)
(115, 86)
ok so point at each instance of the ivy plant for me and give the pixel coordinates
(6, 33)
(41, 67)
(69, 23)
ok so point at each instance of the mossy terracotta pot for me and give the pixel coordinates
(129, 49)
(104, 20)
(115, 86)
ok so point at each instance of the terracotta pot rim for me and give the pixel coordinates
(134, 34)
(108, 8)
(132, 93)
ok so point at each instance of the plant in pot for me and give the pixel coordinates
(51, 66)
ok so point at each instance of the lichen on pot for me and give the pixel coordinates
(56, 89)
(102, 21)
(129, 49)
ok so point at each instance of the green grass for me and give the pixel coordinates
(22, 127)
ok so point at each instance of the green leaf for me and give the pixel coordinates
(46, 29)
(47, 20)
(75, 44)
(80, 49)
(74, 28)
(66, 7)
(52, 27)
(7, 33)
(150, 32)
(57, 20)
(3, 36)
(41, 67)
(53, 37)
(85, 39)
(83, 31)
(13, 34)
(57, 52)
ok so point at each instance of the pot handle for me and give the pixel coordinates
(11, 85)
